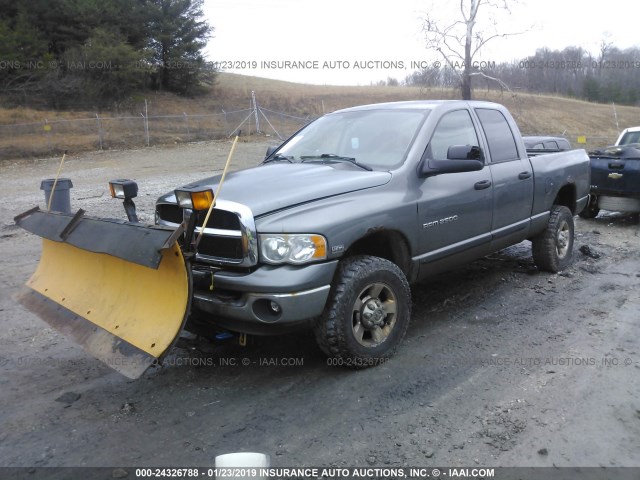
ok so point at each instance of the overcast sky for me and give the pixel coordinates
(364, 40)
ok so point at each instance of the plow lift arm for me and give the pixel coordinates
(122, 290)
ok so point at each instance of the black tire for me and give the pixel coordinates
(592, 209)
(367, 314)
(553, 249)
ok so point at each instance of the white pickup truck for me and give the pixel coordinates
(628, 136)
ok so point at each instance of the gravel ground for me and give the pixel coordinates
(502, 366)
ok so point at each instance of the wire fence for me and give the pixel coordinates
(51, 137)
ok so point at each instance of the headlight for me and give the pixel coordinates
(292, 248)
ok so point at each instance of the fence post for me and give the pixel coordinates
(146, 120)
(100, 139)
(186, 121)
(47, 130)
(226, 122)
(255, 110)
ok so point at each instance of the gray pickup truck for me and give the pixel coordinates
(332, 227)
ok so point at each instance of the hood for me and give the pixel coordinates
(631, 150)
(275, 186)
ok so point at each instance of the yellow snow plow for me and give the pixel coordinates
(122, 290)
(119, 289)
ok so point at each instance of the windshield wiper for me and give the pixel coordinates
(277, 158)
(335, 158)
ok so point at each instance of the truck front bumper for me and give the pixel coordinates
(270, 300)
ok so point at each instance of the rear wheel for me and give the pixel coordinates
(367, 314)
(553, 249)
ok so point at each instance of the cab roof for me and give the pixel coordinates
(421, 105)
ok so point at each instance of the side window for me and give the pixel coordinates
(455, 128)
(564, 145)
(551, 145)
(502, 145)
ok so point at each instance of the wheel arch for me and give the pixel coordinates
(391, 245)
(567, 197)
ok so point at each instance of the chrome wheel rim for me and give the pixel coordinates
(374, 314)
(563, 240)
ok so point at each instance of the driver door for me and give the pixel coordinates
(454, 209)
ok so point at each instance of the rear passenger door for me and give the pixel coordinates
(512, 177)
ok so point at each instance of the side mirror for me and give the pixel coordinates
(270, 151)
(460, 158)
(464, 152)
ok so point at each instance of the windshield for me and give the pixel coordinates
(377, 139)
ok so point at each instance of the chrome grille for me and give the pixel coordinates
(229, 237)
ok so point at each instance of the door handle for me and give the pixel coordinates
(524, 175)
(482, 185)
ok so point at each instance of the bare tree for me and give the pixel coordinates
(459, 42)
(605, 49)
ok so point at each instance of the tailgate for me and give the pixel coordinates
(618, 175)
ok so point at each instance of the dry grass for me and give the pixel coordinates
(535, 114)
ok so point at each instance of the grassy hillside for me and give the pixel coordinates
(535, 114)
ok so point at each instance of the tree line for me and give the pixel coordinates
(70, 51)
(611, 75)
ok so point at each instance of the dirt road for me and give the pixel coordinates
(502, 365)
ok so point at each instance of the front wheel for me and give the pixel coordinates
(553, 249)
(367, 314)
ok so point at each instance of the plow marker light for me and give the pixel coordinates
(123, 189)
(197, 198)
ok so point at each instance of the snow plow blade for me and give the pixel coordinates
(120, 290)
